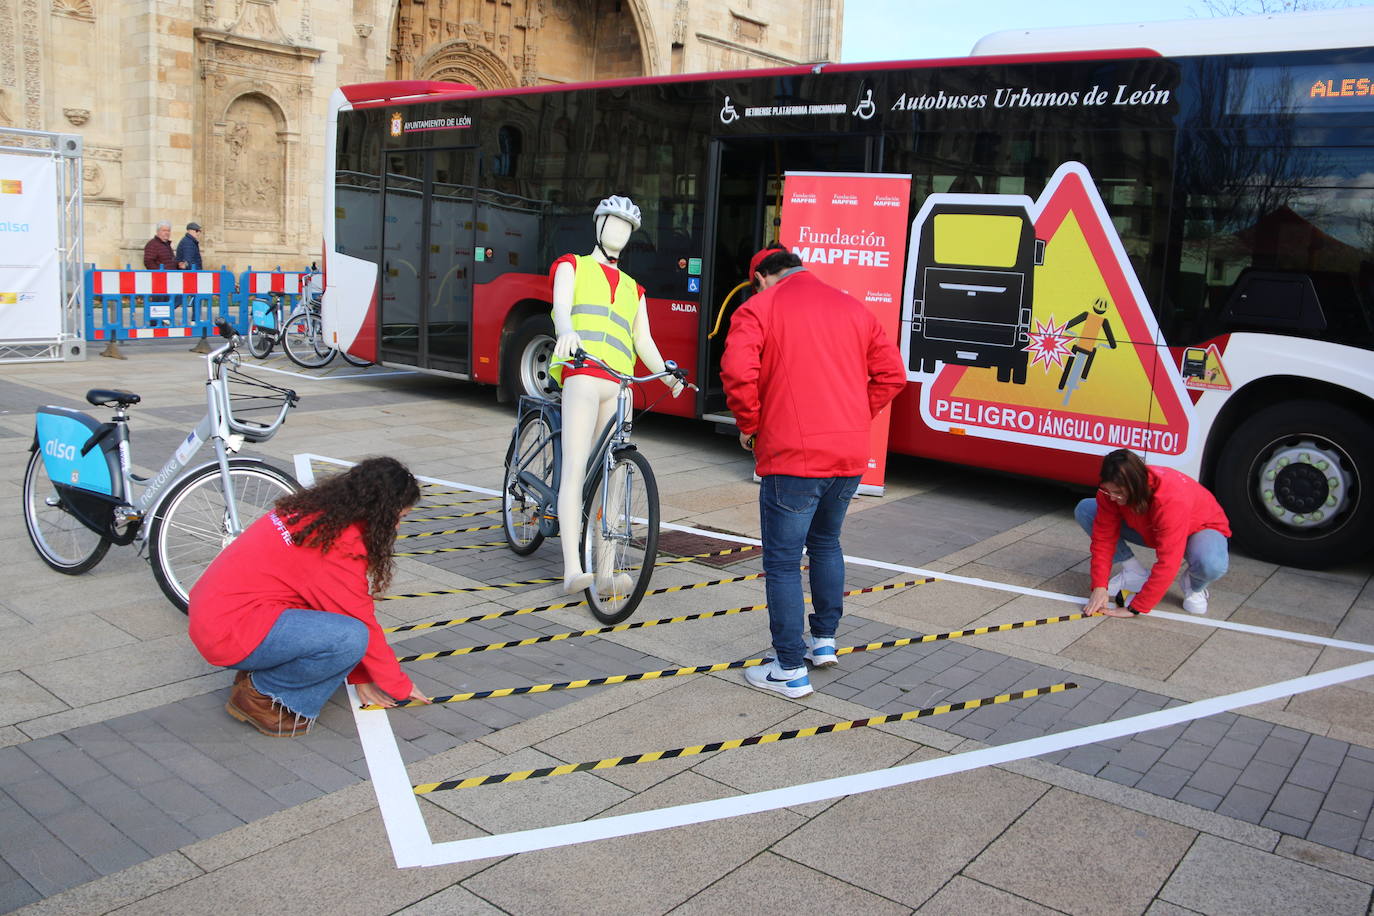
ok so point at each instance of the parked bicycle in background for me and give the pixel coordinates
(303, 335)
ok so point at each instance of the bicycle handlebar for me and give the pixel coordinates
(581, 357)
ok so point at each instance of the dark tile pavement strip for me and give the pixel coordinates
(99, 798)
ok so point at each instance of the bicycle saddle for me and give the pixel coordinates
(110, 397)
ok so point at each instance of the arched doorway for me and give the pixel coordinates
(522, 42)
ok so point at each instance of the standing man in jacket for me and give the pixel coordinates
(188, 249)
(806, 368)
(157, 253)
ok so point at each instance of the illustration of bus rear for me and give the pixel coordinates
(972, 297)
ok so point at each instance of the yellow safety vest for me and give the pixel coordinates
(605, 326)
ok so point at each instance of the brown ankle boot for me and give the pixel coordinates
(272, 719)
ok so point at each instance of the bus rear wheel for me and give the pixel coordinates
(1297, 482)
(528, 356)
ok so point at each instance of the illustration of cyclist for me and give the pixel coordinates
(1095, 326)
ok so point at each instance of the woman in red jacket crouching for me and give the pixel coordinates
(1155, 507)
(289, 603)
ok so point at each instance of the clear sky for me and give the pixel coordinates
(913, 29)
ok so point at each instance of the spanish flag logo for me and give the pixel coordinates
(11, 186)
(9, 298)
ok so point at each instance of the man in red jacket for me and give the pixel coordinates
(806, 368)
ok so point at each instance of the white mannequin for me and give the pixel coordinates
(588, 401)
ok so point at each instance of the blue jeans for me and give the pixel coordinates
(1206, 551)
(796, 512)
(305, 657)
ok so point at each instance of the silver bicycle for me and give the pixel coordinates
(81, 496)
(620, 511)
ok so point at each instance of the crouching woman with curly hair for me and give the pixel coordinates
(289, 603)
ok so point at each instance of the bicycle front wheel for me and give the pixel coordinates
(191, 526)
(355, 360)
(59, 537)
(530, 454)
(303, 340)
(260, 341)
(619, 545)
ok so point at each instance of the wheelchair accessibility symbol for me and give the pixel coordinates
(727, 112)
(694, 284)
(866, 107)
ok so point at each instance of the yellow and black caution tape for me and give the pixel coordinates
(420, 519)
(692, 750)
(534, 610)
(421, 553)
(723, 666)
(714, 553)
(620, 628)
(444, 490)
(567, 604)
(959, 634)
(420, 507)
(431, 534)
(438, 593)
(471, 588)
(436, 550)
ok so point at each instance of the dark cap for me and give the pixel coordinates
(758, 258)
(195, 226)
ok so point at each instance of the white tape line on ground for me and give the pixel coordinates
(405, 825)
(698, 812)
(412, 846)
(328, 378)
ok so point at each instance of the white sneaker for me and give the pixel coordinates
(790, 682)
(820, 652)
(1194, 601)
(1131, 577)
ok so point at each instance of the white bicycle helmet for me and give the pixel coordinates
(622, 207)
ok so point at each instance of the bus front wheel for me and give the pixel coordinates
(1297, 482)
(525, 368)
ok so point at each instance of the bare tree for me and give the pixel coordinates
(1257, 7)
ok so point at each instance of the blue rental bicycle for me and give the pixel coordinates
(81, 496)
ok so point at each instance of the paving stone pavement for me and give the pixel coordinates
(124, 787)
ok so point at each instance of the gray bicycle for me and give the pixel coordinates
(620, 511)
(80, 495)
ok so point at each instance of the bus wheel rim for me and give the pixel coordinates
(1306, 484)
(534, 365)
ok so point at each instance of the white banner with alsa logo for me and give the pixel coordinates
(30, 288)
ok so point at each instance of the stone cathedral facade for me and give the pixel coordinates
(215, 110)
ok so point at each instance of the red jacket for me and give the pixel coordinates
(1179, 507)
(239, 597)
(806, 368)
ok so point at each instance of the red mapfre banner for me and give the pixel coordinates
(849, 228)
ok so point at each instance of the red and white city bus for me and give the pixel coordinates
(1198, 227)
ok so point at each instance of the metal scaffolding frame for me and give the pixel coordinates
(65, 150)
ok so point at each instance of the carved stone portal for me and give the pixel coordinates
(254, 93)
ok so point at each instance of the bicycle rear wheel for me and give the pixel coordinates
(59, 537)
(191, 526)
(620, 549)
(303, 340)
(530, 454)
